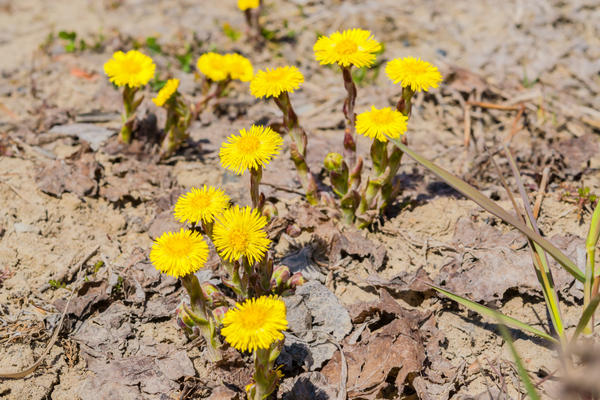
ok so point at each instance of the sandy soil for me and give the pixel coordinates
(542, 54)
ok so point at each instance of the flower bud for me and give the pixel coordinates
(219, 313)
(280, 276)
(269, 211)
(333, 161)
(185, 321)
(296, 280)
(212, 294)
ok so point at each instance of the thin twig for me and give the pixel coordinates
(541, 192)
(515, 126)
(33, 367)
(493, 106)
(467, 134)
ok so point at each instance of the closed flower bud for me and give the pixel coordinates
(296, 280)
(280, 276)
(213, 295)
(219, 313)
(333, 161)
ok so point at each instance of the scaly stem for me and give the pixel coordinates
(405, 103)
(349, 136)
(255, 178)
(129, 107)
(265, 375)
(202, 316)
(298, 147)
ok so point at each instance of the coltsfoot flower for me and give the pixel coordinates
(201, 205)
(238, 67)
(166, 92)
(246, 4)
(240, 232)
(381, 124)
(413, 72)
(213, 66)
(133, 69)
(351, 47)
(179, 253)
(272, 82)
(251, 149)
(255, 324)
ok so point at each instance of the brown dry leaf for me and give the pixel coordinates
(91, 294)
(577, 152)
(79, 177)
(493, 262)
(385, 356)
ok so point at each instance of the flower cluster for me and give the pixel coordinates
(219, 67)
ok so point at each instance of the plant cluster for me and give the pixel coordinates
(238, 234)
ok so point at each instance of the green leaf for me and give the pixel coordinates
(586, 316)
(490, 206)
(529, 387)
(488, 312)
(153, 45)
(67, 35)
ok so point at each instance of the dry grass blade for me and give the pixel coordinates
(493, 208)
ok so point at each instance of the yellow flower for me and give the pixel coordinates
(251, 150)
(255, 324)
(351, 47)
(414, 73)
(133, 68)
(213, 66)
(240, 232)
(378, 124)
(179, 253)
(272, 82)
(238, 67)
(201, 205)
(246, 4)
(166, 92)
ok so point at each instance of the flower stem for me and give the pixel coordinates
(265, 375)
(349, 137)
(202, 316)
(298, 146)
(129, 107)
(405, 103)
(255, 178)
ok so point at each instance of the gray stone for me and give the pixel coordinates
(25, 228)
(314, 315)
(93, 134)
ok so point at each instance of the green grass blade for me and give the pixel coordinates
(588, 312)
(490, 206)
(540, 259)
(488, 312)
(529, 386)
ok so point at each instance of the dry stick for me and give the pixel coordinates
(541, 192)
(467, 136)
(493, 106)
(515, 126)
(32, 368)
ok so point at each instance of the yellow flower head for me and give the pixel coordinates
(240, 232)
(380, 124)
(273, 82)
(351, 47)
(255, 324)
(166, 92)
(251, 149)
(213, 66)
(246, 4)
(238, 67)
(133, 69)
(201, 205)
(414, 73)
(179, 253)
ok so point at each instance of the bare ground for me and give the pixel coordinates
(64, 208)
